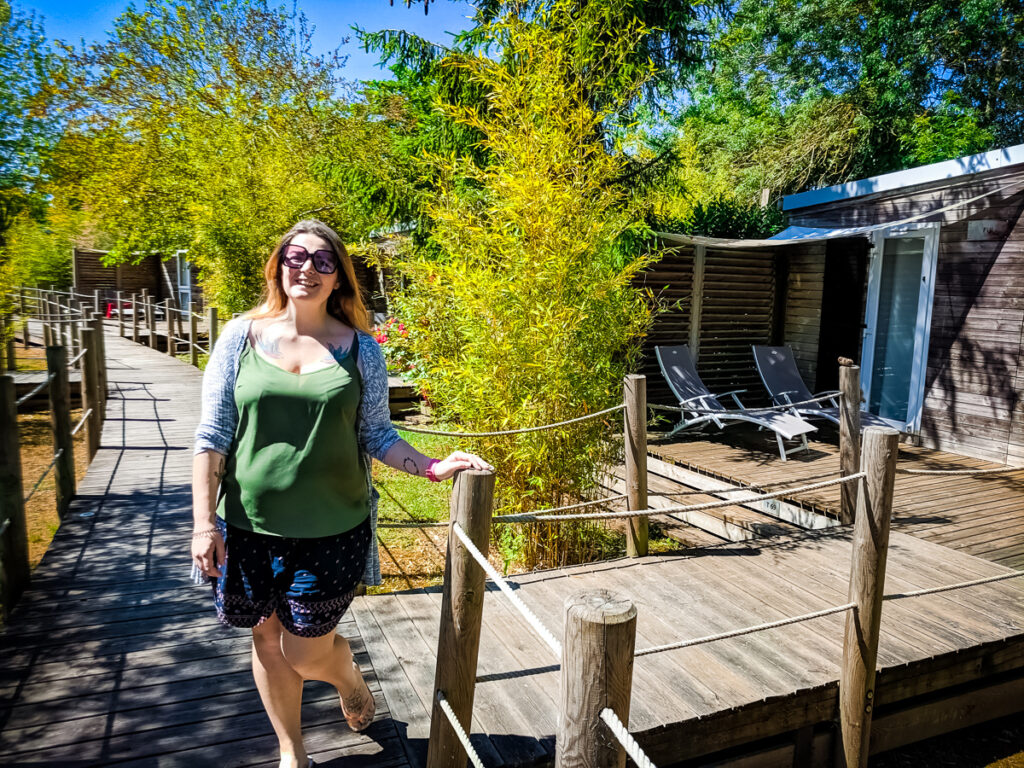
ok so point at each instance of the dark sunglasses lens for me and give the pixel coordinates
(294, 256)
(324, 262)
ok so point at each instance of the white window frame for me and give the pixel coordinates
(922, 330)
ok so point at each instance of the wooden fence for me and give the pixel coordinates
(72, 334)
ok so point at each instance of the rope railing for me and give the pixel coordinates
(35, 391)
(531, 618)
(460, 732)
(745, 630)
(42, 477)
(81, 422)
(444, 523)
(674, 510)
(625, 738)
(524, 430)
(951, 587)
(77, 357)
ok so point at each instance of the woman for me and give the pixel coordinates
(295, 402)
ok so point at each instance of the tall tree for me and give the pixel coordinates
(27, 126)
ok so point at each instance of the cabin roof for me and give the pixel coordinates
(925, 174)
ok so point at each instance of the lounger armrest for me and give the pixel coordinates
(732, 393)
(783, 398)
(682, 403)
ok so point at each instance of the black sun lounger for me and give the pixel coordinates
(785, 384)
(701, 407)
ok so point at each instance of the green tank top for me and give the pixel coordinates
(295, 468)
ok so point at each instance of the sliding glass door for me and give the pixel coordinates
(897, 321)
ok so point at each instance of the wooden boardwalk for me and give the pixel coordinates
(697, 700)
(112, 656)
(981, 515)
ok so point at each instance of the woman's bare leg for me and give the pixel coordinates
(280, 688)
(329, 658)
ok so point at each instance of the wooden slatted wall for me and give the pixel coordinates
(737, 311)
(975, 381)
(802, 325)
(670, 280)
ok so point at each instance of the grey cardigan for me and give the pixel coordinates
(219, 416)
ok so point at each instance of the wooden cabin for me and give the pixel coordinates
(173, 277)
(918, 274)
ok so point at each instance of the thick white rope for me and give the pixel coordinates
(443, 523)
(522, 431)
(951, 587)
(77, 357)
(531, 618)
(24, 399)
(460, 732)
(533, 518)
(42, 477)
(625, 738)
(784, 407)
(745, 630)
(81, 422)
(985, 471)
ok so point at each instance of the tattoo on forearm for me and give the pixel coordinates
(410, 466)
(220, 472)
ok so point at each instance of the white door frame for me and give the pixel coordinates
(922, 330)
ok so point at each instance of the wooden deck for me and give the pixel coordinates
(112, 655)
(981, 515)
(698, 700)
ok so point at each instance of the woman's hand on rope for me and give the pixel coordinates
(208, 550)
(456, 461)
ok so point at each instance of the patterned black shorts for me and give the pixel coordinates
(308, 583)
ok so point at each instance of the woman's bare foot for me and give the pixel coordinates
(359, 707)
(293, 761)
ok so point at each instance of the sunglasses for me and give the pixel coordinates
(295, 256)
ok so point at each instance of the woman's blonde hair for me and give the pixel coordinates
(345, 303)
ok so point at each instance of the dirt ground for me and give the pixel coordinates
(36, 440)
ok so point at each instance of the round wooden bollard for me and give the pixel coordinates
(89, 388)
(60, 426)
(849, 437)
(867, 585)
(462, 605)
(634, 393)
(596, 672)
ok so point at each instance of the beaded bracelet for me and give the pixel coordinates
(211, 532)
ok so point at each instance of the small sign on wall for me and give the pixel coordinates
(987, 229)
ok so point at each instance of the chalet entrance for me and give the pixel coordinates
(897, 320)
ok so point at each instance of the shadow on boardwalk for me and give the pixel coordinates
(113, 656)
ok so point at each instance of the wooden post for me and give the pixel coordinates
(135, 318)
(21, 302)
(634, 393)
(849, 436)
(120, 314)
(74, 346)
(101, 367)
(169, 317)
(4, 363)
(211, 332)
(151, 322)
(462, 606)
(193, 336)
(867, 583)
(96, 302)
(596, 672)
(14, 567)
(25, 332)
(90, 390)
(60, 425)
(697, 298)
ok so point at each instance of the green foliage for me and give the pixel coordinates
(519, 310)
(27, 127)
(199, 126)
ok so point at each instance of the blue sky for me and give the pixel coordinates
(71, 21)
